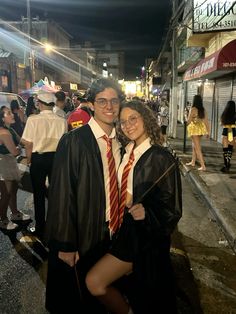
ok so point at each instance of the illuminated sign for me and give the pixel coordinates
(213, 15)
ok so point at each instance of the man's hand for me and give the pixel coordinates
(70, 258)
(137, 211)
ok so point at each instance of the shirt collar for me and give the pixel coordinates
(98, 131)
(145, 145)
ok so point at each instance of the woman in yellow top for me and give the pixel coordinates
(197, 126)
(228, 119)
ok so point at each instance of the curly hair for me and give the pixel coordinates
(150, 122)
(99, 85)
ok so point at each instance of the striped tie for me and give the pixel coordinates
(114, 194)
(123, 189)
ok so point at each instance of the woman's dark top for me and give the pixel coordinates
(3, 149)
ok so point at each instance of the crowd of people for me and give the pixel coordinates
(113, 190)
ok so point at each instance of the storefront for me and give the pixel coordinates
(214, 78)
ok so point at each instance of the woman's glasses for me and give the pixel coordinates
(131, 120)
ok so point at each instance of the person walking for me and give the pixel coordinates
(9, 173)
(197, 126)
(83, 201)
(142, 244)
(40, 137)
(164, 119)
(228, 121)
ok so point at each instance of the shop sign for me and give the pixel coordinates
(213, 15)
(73, 86)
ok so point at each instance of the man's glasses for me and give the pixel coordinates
(103, 102)
(132, 120)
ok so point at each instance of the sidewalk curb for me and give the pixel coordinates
(205, 193)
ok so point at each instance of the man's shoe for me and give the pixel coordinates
(19, 216)
(7, 225)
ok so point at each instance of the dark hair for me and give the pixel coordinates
(229, 115)
(99, 85)
(14, 105)
(150, 122)
(60, 96)
(30, 106)
(2, 115)
(197, 103)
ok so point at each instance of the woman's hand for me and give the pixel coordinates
(137, 211)
(70, 258)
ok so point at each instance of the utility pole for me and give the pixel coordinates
(174, 77)
(31, 51)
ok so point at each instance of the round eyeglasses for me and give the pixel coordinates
(103, 102)
(131, 120)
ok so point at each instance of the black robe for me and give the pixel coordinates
(147, 242)
(76, 217)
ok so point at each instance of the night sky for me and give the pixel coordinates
(136, 27)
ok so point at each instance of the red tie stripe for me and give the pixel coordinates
(123, 189)
(114, 194)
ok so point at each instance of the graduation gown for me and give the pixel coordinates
(76, 217)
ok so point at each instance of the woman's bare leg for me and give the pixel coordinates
(193, 161)
(198, 150)
(99, 279)
(13, 188)
(4, 200)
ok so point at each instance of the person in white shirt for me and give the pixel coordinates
(40, 137)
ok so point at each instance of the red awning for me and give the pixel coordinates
(220, 62)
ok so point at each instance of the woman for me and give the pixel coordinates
(19, 117)
(197, 126)
(228, 119)
(164, 119)
(9, 173)
(142, 245)
(30, 107)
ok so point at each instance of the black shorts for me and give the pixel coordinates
(225, 132)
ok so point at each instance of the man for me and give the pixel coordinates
(60, 104)
(41, 135)
(76, 99)
(79, 200)
(81, 115)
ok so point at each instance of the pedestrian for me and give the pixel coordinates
(30, 106)
(142, 245)
(197, 126)
(19, 117)
(83, 201)
(164, 119)
(228, 119)
(9, 173)
(60, 104)
(81, 115)
(41, 135)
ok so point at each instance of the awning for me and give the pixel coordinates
(221, 62)
(4, 54)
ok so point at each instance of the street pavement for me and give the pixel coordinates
(217, 189)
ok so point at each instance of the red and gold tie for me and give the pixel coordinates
(114, 194)
(123, 189)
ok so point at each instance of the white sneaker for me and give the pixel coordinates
(8, 225)
(19, 216)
